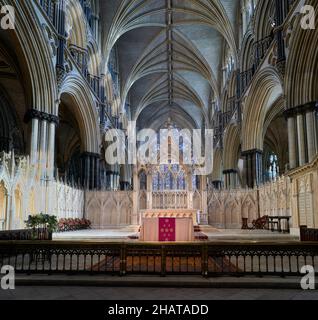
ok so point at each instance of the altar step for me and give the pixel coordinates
(128, 228)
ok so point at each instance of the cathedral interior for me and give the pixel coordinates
(72, 71)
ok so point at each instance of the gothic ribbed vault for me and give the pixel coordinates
(170, 55)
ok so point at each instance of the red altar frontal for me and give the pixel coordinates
(168, 226)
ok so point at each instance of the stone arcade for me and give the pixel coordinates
(71, 71)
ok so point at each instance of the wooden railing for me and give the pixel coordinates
(202, 258)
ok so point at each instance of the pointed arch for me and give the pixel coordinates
(85, 111)
(39, 66)
(301, 80)
(266, 88)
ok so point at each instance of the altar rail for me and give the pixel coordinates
(206, 259)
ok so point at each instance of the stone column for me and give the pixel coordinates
(311, 134)
(204, 197)
(292, 142)
(43, 148)
(230, 178)
(97, 166)
(51, 150)
(301, 139)
(226, 179)
(42, 196)
(190, 190)
(87, 171)
(125, 177)
(117, 181)
(149, 191)
(34, 141)
(112, 181)
(125, 181)
(253, 167)
(217, 184)
(135, 219)
(8, 212)
(122, 177)
(92, 171)
(50, 168)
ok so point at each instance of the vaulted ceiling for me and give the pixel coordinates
(170, 55)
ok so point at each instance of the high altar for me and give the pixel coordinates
(169, 212)
(168, 225)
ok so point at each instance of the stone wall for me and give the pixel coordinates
(227, 207)
(110, 208)
(304, 199)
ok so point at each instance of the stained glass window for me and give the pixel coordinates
(169, 177)
(273, 167)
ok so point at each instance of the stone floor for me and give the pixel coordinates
(121, 234)
(122, 293)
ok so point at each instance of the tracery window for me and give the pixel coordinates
(169, 177)
(272, 167)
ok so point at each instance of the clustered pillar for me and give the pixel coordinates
(217, 184)
(302, 134)
(231, 179)
(42, 152)
(253, 167)
(113, 179)
(125, 177)
(42, 149)
(90, 170)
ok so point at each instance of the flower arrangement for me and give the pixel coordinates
(73, 224)
(42, 226)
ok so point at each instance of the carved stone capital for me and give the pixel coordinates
(37, 114)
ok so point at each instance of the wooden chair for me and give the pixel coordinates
(261, 223)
